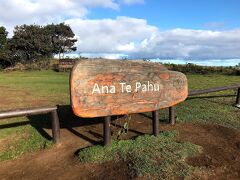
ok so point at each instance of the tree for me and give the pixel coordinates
(3, 37)
(4, 53)
(31, 42)
(62, 38)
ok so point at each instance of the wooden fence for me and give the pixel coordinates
(155, 115)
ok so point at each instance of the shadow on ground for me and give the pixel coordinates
(88, 129)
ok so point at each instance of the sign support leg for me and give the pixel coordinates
(172, 115)
(238, 98)
(55, 127)
(107, 131)
(155, 122)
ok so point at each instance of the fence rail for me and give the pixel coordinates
(37, 111)
(215, 89)
(172, 112)
(55, 119)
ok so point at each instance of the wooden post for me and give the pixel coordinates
(55, 127)
(106, 129)
(155, 123)
(238, 98)
(172, 115)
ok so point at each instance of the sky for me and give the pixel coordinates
(204, 32)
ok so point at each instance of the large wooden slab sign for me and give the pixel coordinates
(102, 87)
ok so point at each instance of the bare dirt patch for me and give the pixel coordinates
(220, 158)
(14, 99)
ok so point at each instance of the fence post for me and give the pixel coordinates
(155, 122)
(238, 98)
(172, 115)
(107, 131)
(55, 127)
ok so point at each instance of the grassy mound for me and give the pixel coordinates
(147, 155)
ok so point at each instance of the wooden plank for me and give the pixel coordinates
(114, 87)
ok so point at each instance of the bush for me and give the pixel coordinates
(40, 64)
(196, 69)
(16, 67)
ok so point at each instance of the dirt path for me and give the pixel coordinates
(221, 154)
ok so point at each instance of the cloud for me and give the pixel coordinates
(215, 25)
(110, 35)
(99, 3)
(104, 55)
(138, 39)
(214, 62)
(38, 11)
(123, 35)
(129, 2)
(192, 44)
(18, 12)
(126, 47)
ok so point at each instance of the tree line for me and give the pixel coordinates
(32, 42)
(197, 69)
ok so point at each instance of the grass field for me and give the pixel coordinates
(41, 88)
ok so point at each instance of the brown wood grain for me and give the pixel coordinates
(87, 102)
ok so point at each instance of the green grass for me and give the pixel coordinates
(30, 141)
(28, 89)
(21, 136)
(209, 111)
(147, 155)
(41, 88)
(208, 81)
(25, 88)
(218, 110)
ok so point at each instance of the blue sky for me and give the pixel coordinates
(169, 14)
(204, 32)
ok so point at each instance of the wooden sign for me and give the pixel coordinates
(66, 64)
(102, 87)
